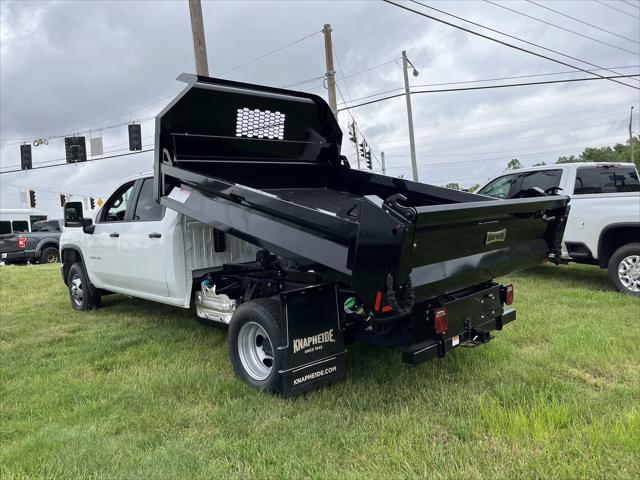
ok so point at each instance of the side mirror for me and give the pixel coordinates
(88, 226)
(73, 214)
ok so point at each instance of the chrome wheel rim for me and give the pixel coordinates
(629, 272)
(255, 350)
(75, 290)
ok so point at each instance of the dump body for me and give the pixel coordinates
(264, 164)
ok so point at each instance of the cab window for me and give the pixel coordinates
(147, 209)
(5, 227)
(543, 179)
(501, 187)
(606, 180)
(116, 207)
(20, 226)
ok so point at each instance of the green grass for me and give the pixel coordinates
(141, 390)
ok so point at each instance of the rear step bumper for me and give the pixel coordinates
(418, 353)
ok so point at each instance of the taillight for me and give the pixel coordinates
(440, 320)
(22, 242)
(508, 294)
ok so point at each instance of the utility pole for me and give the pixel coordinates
(384, 172)
(199, 43)
(412, 142)
(631, 135)
(331, 74)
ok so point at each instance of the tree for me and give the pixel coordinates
(473, 188)
(539, 164)
(514, 164)
(453, 186)
(620, 152)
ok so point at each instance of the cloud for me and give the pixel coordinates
(70, 66)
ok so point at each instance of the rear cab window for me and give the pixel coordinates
(5, 227)
(606, 179)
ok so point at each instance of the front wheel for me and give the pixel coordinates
(79, 292)
(624, 269)
(254, 338)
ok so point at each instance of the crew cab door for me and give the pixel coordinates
(142, 253)
(103, 246)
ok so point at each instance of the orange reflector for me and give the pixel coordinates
(441, 320)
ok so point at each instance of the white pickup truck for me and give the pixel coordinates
(603, 227)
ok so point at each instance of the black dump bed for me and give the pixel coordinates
(264, 164)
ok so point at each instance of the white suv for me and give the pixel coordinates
(603, 227)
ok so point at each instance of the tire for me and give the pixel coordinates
(624, 269)
(49, 255)
(254, 338)
(79, 292)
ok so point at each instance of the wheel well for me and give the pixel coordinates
(613, 238)
(47, 245)
(69, 257)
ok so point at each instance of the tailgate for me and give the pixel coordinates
(9, 242)
(456, 246)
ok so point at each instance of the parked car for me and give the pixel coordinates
(603, 227)
(40, 245)
(255, 217)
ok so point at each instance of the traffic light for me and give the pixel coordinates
(369, 164)
(63, 199)
(362, 148)
(352, 132)
(25, 157)
(92, 202)
(32, 199)
(75, 149)
(135, 137)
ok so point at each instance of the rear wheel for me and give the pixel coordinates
(624, 269)
(49, 255)
(254, 338)
(79, 292)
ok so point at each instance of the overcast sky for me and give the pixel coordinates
(71, 67)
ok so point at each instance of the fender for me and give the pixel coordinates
(92, 288)
(633, 225)
(46, 241)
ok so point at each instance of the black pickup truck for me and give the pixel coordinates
(278, 237)
(40, 245)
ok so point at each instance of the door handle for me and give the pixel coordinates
(114, 235)
(155, 235)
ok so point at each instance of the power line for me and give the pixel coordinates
(583, 22)
(616, 9)
(279, 49)
(485, 87)
(479, 81)
(52, 137)
(631, 4)
(560, 27)
(79, 163)
(492, 127)
(518, 39)
(302, 82)
(360, 72)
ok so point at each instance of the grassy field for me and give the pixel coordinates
(140, 390)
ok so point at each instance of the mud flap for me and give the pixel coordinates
(314, 351)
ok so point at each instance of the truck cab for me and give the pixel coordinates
(603, 227)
